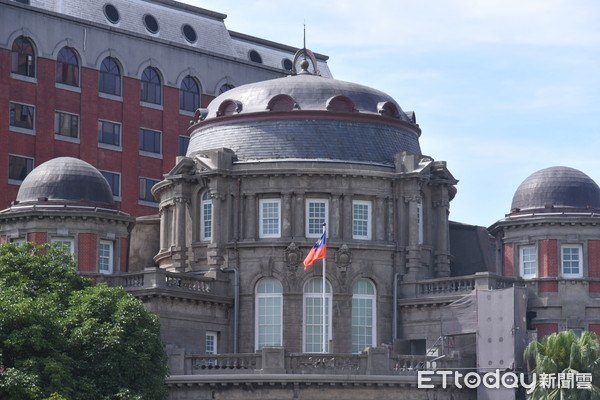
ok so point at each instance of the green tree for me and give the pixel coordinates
(564, 352)
(63, 338)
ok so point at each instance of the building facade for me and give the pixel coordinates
(116, 84)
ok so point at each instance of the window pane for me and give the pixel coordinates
(145, 189)
(184, 143)
(529, 261)
(67, 67)
(269, 312)
(23, 57)
(114, 181)
(19, 167)
(150, 141)
(363, 315)
(110, 77)
(316, 217)
(206, 216)
(105, 256)
(21, 116)
(151, 87)
(66, 125)
(189, 95)
(360, 220)
(270, 214)
(109, 133)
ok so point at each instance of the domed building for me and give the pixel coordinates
(551, 239)
(68, 201)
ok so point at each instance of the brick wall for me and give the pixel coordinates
(509, 260)
(37, 237)
(595, 328)
(87, 255)
(3, 239)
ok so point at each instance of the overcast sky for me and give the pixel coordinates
(500, 88)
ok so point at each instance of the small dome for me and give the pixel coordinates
(556, 187)
(66, 180)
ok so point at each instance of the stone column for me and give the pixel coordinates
(390, 234)
(335, 219)
(251, 221)
(179, 230)
(442, 254)
(286, 215)
(299, 211)
(346, 218)
(379, 219)
(413, 256)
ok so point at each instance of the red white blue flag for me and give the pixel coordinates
(318, 251)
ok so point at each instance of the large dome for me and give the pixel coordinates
(556, 187)
(66, 180)
(306, 116)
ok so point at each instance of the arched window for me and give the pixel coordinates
(225, 87)
(22, 57)
(151, 86)
(364, 317)
(205, 216)
(110, 77)
(189, 95)
(269, 313)
(313, 316)
(67, 67)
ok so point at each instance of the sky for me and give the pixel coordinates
(500, 88)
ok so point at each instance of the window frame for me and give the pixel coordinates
(116, 196)
(261, 218)
(205, 202)
(144, 150)
(369, 219)
(522, 261)
(309, 202)
(185, 93)
(101, 132)
(22, 58)
(63, 240)
(373, 325)
(329, 309)
(258, 299)
(68, 72)
(215, 342)
(18, 181)
(579, 248)
(110, 78)
(186, 140)
(147, 190)
(110, 257)
(12, 109)
(59, 117)
(148, 86)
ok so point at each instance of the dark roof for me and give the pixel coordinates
(556, 187)
(317, 118)
(472, 249)
(66, 180)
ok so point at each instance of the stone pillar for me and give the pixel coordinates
(163, 228)
(299, 211)
(379, 219)
(214, 251)
(286, 215)
(335, 219)
(413, 256)
(251, 220)
(178, 238)
(346, 218)
(390, 234)
(442, 254)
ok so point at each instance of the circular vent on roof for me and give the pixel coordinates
(151, 23)
(254, 56)
(287, 64)
(111, 13)
(189, 33)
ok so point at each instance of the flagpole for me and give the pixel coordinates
(324, 294)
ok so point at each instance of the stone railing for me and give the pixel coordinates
(157, 278)
(275, 360)
(455, 286)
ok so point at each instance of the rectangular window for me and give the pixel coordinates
(150, 141)
(67, 242)
(66, 124)
(145, 192)
(362, 323)
(361, 219)
(184, 142)
(19, 167)
(109, 133)
(269, 320)
(316, 215)
(211, 342)
(270, 218)
(313, 323)
(114, 181)
(105, 256)
(528, 261)
(22, 116)
(571, 261)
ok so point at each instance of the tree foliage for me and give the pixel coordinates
(564, 352)
(63, 338)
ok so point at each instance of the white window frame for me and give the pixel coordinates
(328, 299)
(579, 248)
(21, 240)
(369, 219)
(319, 231)
(205, 202)
(373, 299)
(214, 336)
(261, 204)
(259, 298)
(522, 262)
(64, 240)
(111, 256)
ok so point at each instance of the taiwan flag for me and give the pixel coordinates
(318, 251)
